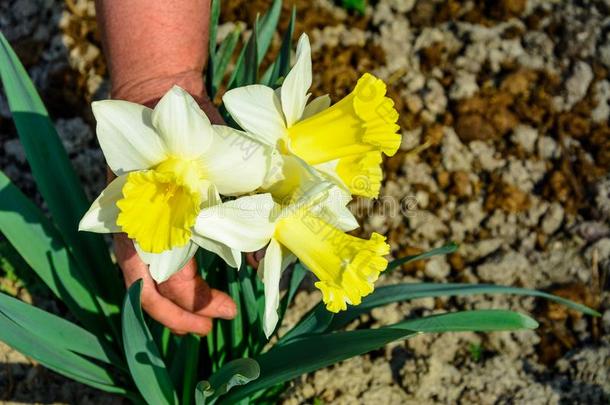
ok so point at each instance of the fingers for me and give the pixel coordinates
(179, 320)
(160, 308)
(188, 290)
(220, 305)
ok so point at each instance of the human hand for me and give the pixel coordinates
(184, 303)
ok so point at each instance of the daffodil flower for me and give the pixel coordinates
(345, 265)
(171, 163)
(345, 140)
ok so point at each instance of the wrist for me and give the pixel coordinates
(148, 91)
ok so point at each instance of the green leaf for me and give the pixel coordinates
(315, 321)
(40, 245)
(254, 312)
(443, 250)
(245, 275)
(222, 58)
(246, 68)
(56, 180)
(212, 31)
(400, 292)
(234, 373)
(251, 56)
(16, 269)
(236, 325)
(147, 368)
(298, 274)
(205, 261)
(296, 278)
(313, 352)
(283, 363)
(266, 77)
(266, 29)
(57, 331)
(56, 358)
(485, 320)
(188, 375)
(281, 66)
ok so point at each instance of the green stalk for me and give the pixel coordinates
(190, 372)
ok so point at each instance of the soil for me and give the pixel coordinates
(504, 110)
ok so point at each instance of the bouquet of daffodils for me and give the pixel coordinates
(293, 169)
(280, 179)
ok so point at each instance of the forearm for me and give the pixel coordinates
(151, 45)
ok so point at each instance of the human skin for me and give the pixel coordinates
(150, 46)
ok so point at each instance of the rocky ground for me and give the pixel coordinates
(506, 150)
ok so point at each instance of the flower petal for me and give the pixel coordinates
(101, 216)
(316, 105)
(185, 128)
(295, 177)
(245, 224)
(127, 136)
(297, 83)
(163, 265)
(231, 256)
(235, 163)
(334, 210)
(257, 110)
(271, 269)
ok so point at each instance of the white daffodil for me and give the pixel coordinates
(297, 178)
(310, 228)
(345, 140)
(171, 163)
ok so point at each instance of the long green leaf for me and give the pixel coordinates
(213, 29)
(41, 246)
(57, 331)
(222, 58)
(147, 368)
(246, 67)
(296, 278)
(400, 292)
(234, 373)
(484, 320)
(57, 181)
(210, 71)
(183, 363)
(250, 305)
(189, 380)
(281, 66)
(250, 59)
(443, 250)
(315, 321)
(56, 358)
(283, 363)
(266, 29)
(15, 267)
(237, 324)
(310, 353)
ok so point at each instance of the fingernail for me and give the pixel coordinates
(228, 310)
